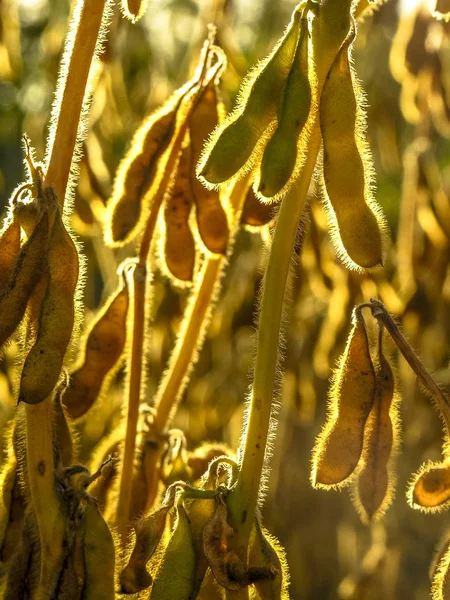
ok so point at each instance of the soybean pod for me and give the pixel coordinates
(104, 345)
(339, 446)
(43, 363)
(347, 166)
(179, 243)
(211, 217)
(232, 147)
(282, 153)
(28, 270)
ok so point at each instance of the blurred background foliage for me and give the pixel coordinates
(402, 55)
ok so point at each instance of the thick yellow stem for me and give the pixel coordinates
(81, 44)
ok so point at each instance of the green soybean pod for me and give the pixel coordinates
(347, 167)
(282, 153)
(233, 145)
(175, 577)
(43, 363)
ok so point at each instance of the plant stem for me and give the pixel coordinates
(187, 346)
(134, 395)
(138, 338)
(380, 312)
(82, 46)
(41, 477)
(243, 498)
(195, 320)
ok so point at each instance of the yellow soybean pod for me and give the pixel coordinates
(281, 153)
(231, 148)
(374, 486)
(211, 217)
(138, 170)
(9, 252)
(339, 446)
(43, 363)
(347, 167)
(28, 270)
(104, 345)
(179, 243)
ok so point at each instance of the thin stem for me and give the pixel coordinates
(195, 320)
(83, 41)
(134, 395)
(243, 498)
(174, 383)
(380, 312)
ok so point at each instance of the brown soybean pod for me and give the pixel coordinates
(339, 446)
(256, 213)
(149, 531)
(43, 364)
(179, 244)
(212, 219)
(28, 270)
(346, 171)
(375, 478)
(138, 169)
(9, 252)
(103, 347)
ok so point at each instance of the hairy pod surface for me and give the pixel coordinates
(138, 171)
(179, 243)
(175, 577)
(281, 153)
(347, 168)
(211, 217)
(99, 556)
(9, 252)
(375, 482)
(43, 363)
(266, 551)
(339, 446)
(431, 487)
(230, 149)
(133, 9)
(149, 531)
(440, 588)
(28, 270)
(104, 346)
